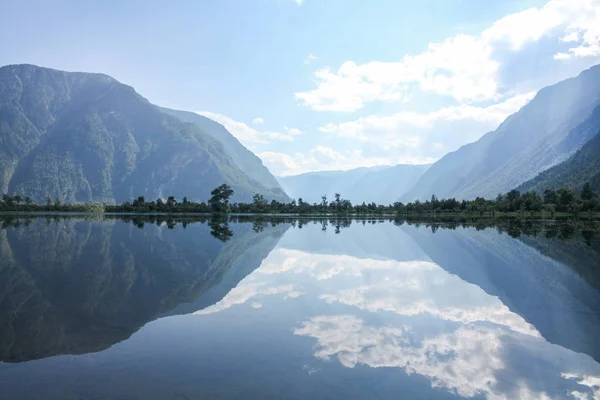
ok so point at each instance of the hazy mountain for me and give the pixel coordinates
(245, 160)
(530, 283)
(75, 286)
(87, 137)
(582, 167)
(382, 185)
(547, 131)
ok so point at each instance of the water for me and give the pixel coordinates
(184, 309)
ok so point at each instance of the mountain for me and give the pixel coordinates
(582, 167)
(77, 286)
(241, 156)
(529, 282)
(86, 137)
(382, 185)
(547, 131)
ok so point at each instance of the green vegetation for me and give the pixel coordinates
(243, 158)
(83, 137)
(549, 129)
(553, 202)
(581, 169)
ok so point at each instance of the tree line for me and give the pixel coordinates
(563, 200)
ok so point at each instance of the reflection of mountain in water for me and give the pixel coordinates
(72, 286)
(527, 277)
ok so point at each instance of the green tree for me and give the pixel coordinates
(565, 198)
(171, 202)
(6, 199)
(586, 192)
(550, 197)
(219, 200)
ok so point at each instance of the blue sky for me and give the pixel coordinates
(320, 84)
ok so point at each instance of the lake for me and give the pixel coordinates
(185, 308)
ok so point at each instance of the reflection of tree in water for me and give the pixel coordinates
(562, 229)
(258, 226)
(220, 229)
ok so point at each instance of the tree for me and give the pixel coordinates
(565, 198)
(6, 199)
(550, 197)
(337, 201)
(171, 201)
(140, 201)
(219, 200)
(586, 192)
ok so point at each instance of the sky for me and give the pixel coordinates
(313, 85)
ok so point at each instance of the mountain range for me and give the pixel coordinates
(81, 137)
(582, 167)
(85, 137)
(544, 133)
(77, 286)
(382, 185)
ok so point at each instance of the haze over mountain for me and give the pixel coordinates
(382, 185)
(86, 137)
(547, 131)
(246, 160)
(582, 167)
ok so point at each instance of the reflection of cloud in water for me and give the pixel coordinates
(325, 266)
(467, 361)
(406, 288)
(593, 382)
(243, 292)
(434, 292)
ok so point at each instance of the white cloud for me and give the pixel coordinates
(310, 58)
(247, 289)
(258, 121)
(366, 128)
(299, 2)
(324, 158)
(406, 288)
(571, 21)
(248, 135)
(292, 131)
(468, 361)
(464, 66)
(405, 137)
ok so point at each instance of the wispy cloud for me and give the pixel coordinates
(310, 58)
(463, 66)
(248, 135)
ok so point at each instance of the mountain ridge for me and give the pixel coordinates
(543, 133)
(379, 184)
(83, 137)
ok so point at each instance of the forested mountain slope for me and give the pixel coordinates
(86, 137)
(246, 160)
(547, 131)
(582, 167)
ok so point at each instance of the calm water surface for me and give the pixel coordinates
(187, 309)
